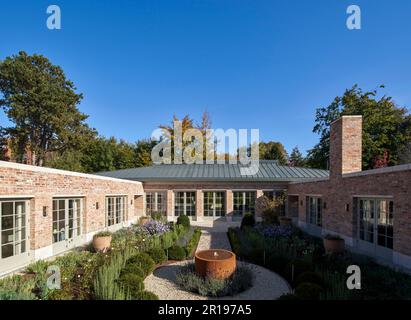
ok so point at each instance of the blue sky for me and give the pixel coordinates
(251, 64)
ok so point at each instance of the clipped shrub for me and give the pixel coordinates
(131, 283)
(184, 221)
(144, 261)
(133, 268)
(309, 276)
(248, 220)
(176, 253)
(193, 242)
(308, 291)
(158, 255)
(145, 295)
(296, 267)
(102, 234)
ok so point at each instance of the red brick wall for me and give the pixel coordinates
(42, 184)
(346, 145)
(341, 191)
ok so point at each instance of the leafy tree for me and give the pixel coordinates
(386, 127)
(142, 152)
(99, 155)
(296, 158)
(273, 151)
(42, 104)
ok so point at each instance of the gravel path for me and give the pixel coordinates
(267, 284)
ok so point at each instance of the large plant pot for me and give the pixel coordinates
(102, 243)
(334, 245)
(144, 220)
(285, 221)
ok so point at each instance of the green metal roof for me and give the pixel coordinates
(268, 171)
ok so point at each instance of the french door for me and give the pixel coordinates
(14, 227)
(375, 227)
(67, 223)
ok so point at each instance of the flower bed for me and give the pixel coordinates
(241, 280)
(98, 275)
(301, 259)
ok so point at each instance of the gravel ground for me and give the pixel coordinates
(267, 284)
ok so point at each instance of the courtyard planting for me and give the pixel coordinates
(115, 273)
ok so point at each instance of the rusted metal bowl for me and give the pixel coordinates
(215, 263)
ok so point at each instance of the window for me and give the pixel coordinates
(214, 203)
(115, 210)
(376, 217)
(66, 219)
(277, 194)
(244, 201)
(13, 227)
(155, 202)
(314, 210)
(185, 203)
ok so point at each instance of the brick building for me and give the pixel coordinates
(45, 212)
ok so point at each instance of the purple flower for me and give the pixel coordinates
(275, 231)
(155, 227)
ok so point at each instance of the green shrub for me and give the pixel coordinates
(102, 234)
(145, 295)
(235, 244)
(158, 255)
(176, 253)
(248, 220)
(295, 268)
(167, 239)
(309, 276)
(39, 266)
(183, 221)
(144, 261)
(17, 288)
(159, 216)
(308, 291)
(133, 269)
(289, 296)
(193, 242)
(131, 283)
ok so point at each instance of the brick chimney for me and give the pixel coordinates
(345, 145)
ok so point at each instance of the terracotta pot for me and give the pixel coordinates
(217, 263)
(102, 243)
(334, 245)
(143, 220)
(285, 221)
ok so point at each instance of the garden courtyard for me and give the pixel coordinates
(153, 259)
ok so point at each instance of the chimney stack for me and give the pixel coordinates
(345, 146)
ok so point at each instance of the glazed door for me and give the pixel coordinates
(14, 228)
(67, 218)
(375, 227)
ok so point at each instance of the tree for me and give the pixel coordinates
(273, 150)
(142, 152)
(42, 105)
(296, 158)
(386, 128)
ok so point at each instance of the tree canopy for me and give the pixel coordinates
(386, 128)
(42, 105)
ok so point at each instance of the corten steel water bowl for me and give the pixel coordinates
(215, 263)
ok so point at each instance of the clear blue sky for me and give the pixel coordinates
(252, 64)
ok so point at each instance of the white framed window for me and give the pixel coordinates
(13, 228)
(244, 202)
(115, 210)
(185, 203)
(67, 217)
(314, 210)
(155, 202)
(214, 203)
